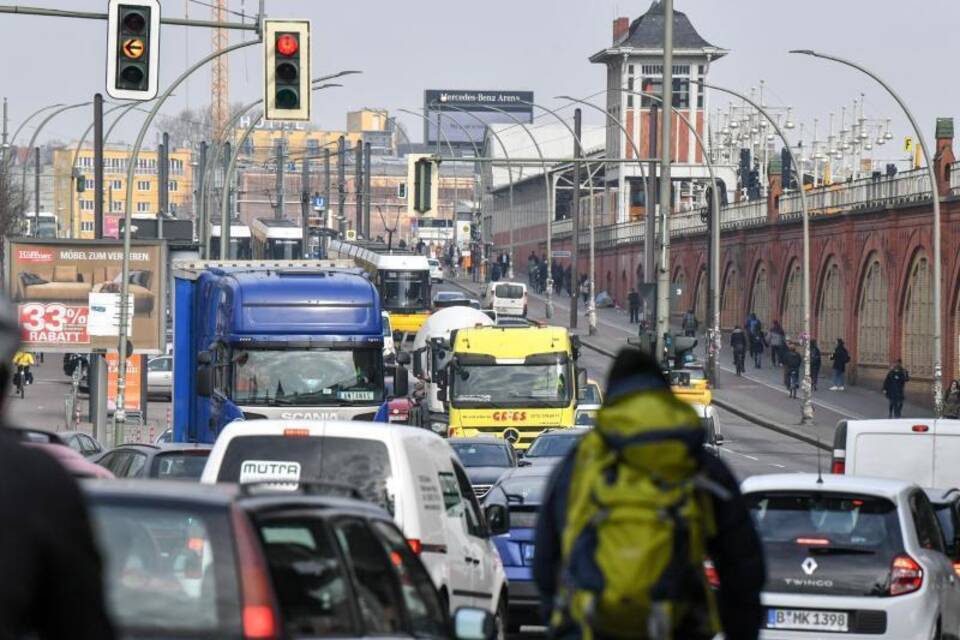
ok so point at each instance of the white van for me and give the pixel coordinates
(506, 298)
(389, 346)
(920, 450)
(411, 472)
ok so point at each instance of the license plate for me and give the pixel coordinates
(806, 619)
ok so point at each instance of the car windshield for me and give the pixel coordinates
(517, 490)
(282, 249)
(350, 462)
(181, 465)
(168, 571)
(405, 290)
(552, 445)
(510, 385)
(590, 394)
(831, 519)
(314, 377)
(474, 454)
(512, 291)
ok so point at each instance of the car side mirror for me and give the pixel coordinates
(498, 519)
(473, 624)
(204, 380)
(403, 357)
(401, 383)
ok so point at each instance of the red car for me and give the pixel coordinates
(73, 462)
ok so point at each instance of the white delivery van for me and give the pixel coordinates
(411, 472)
(920, 450)
(506, 298)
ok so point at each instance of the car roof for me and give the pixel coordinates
(382, 431)
(566, 432)
(884, 487)
(478, 440)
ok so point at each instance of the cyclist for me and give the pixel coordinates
(738, 340)
(23, 360)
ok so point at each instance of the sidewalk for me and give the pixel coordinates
(759, 394)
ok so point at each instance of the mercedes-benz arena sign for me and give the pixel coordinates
(482, 107)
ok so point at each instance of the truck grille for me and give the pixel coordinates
(527, 434)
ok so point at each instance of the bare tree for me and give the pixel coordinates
(11, 210)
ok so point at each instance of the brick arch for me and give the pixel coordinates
(917, 313)
(731, 302)
(871, 311)
(758, 294)
(701, 294)
(829, 306)
(791, 299)
(914, 245)
(680, 277)
(953, 327)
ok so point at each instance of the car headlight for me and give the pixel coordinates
(439, 427)
(528, 551)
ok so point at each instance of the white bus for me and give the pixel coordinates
(240, 247)
(401, 277)
(46, 226)
(276, 239)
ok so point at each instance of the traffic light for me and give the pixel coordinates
(286, 72)
(81, 183)
(133, 49)
(786, 169)
(423, 185)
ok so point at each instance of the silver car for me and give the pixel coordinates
(160, 377)
(852, 557)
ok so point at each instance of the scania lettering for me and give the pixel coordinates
(285, 339)
(512, 382)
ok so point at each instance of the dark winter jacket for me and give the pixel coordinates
(895, 382)
(840, 358)
(738, 340)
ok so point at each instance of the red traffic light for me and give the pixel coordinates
(287, 44)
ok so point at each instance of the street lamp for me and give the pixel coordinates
(806, 417)
(935, 196)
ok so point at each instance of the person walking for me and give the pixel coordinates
(54, 576)
(840, 359)
(777, 339)
(738, 342)
(753, 325)
(816, 360)
(951, 401)
(638, 487)
(584, 289)
(893, 388)
(757, 343)
(633, 302)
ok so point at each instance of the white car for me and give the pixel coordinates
(853, 558)
(411, 472)
(436, 270)
(506, 298)
(160, 376)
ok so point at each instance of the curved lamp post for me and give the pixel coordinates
(119, 416)
(30, 117)
(935, 196)
(806, 417)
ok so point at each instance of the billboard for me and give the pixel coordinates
(469, 128)
(59, 285)
(133, 393)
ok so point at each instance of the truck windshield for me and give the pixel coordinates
(283, 249)
(509, 385)
(405, 290)
(314, 377)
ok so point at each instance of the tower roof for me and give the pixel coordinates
(645, 35)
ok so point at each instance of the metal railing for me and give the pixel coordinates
(866, 193)
(744, 214)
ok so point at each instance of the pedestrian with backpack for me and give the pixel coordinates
(634, 514)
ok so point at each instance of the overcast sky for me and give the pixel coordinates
(540, 45)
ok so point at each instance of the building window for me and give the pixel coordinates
(873, 339)
(88, 183)
(830, 310)
(86, 226)
(176, 167)
(630, 88)
(173, 186)
(681, 93)
(86, 205)
(918, 320)
(116, 206)
(143, 207)
(116, 185)
(792, 308)
(760, 296)
(143, 185)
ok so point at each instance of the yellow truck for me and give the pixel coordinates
(512, 382)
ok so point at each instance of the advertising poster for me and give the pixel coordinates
(132, 393)
(58, 285)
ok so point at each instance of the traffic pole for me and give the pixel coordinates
(666, 195)
(575, 215)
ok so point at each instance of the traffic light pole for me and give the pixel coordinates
(119, 415)
(341, 184)
(305, 191)
(93, 15)
(666, 192)
(358, 187)
(575, 215)
(367, 161)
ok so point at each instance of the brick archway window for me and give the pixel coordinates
(730, 301)
(791, 312)
(918, 319)
(677, 292)
(701, 304)
(830, 308)
(760, 297)
(873, 332)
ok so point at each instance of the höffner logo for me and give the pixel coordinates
(35, 256)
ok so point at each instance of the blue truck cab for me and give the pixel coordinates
(256, 340)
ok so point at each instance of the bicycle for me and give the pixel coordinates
(794, 382)
(20, 380)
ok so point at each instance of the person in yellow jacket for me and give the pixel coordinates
(24, 359)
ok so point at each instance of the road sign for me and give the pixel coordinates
(561, 254)
(319, 203)
(351, 235)
(908, 144)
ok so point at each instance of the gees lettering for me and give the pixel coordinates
(513, 416)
